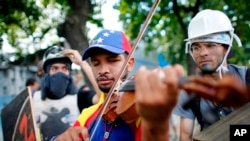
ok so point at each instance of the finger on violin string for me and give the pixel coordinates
(155, 84)
(159, 73)
(170, 74)
(141, 84)
(176, 70)
(179, 70)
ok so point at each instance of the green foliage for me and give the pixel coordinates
(21, 20)
(28, 23)
(168, 28)
(28, 20)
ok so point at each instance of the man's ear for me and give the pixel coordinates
(130, 64)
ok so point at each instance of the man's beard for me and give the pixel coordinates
(107, 89)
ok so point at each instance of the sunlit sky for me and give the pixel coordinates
(110, 16)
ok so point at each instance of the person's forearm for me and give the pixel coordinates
(155, 131)
(85, 66)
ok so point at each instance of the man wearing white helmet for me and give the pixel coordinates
(210, 37)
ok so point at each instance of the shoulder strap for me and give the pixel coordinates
(240, 71)
(197, 112)
(248, 77)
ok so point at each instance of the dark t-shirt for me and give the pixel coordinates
(210, 113)
(84, 99)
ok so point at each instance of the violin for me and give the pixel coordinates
(122, 104)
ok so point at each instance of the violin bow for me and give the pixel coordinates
(137, 40)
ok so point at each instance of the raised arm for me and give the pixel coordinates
(76, 58)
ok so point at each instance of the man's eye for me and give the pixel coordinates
(95, 63)
(112, 60)
(66, 68)
(195, 48)
(53, 68)
(211, 45)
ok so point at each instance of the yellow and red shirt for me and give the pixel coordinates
(121, 132)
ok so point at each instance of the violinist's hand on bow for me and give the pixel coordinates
(73, 55)
(156, 96)
(229, 91)
(74, 134)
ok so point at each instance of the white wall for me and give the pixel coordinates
(13, 78)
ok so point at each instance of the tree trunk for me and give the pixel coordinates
(73, 29)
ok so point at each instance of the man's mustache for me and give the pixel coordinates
(103, 77)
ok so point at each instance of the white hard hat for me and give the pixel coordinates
(208, 22)
(211, 26)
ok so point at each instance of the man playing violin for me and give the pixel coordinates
(107, 53)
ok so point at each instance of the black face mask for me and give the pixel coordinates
(57, 86)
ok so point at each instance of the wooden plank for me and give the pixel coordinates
(221, 129)
(17, 119)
